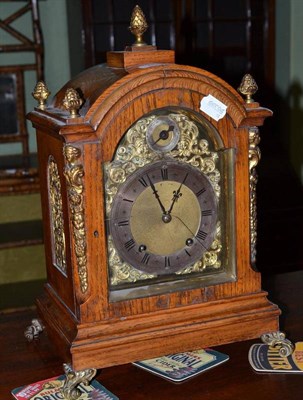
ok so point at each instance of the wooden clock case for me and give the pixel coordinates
(91, 331)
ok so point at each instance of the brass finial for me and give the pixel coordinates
(138, 25)
(72, 102)
(248, 87)
(41, 93)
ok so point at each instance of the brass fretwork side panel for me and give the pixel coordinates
(56, 216)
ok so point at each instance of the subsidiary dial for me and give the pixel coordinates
(162, 134)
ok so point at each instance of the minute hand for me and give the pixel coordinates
(177, 195)
(155, 192)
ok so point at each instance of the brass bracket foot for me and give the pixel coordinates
(278, 339)
(75, 378)
(33, 331)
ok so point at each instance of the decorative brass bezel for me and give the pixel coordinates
(74, 174)
(134, 153)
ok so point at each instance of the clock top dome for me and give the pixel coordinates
(140, 70)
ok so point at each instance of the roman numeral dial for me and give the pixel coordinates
(164, 217)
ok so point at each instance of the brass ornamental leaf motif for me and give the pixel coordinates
(196, 152)
(254, 158)
(56, 216)
(121, 271)
(74, 174)
(134, 153)
(210, 258)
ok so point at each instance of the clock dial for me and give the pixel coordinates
(166, 210)
(164, 217)
(162, 134)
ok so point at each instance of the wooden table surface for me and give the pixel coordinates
(23, 363)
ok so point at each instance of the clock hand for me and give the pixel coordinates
(163, 135)
(155, 192)
(177, 195)
(189, 230)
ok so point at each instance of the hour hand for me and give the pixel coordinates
(155, 192)
(176, 195)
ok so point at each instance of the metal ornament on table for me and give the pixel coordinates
(73, 379)
(278, 339)
(33, 331)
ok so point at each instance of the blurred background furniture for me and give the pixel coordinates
(18, 166)
(18, 172)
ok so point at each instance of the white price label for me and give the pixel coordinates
(213, 107)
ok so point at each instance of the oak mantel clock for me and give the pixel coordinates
(148, 193)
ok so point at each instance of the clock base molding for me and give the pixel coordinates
(113, 342)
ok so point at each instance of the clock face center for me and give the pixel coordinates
(167, 233)
(166, 218)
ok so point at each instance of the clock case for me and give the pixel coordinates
(88, 329)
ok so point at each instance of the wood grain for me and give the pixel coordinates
(88, 326)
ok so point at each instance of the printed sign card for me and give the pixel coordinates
(181, 366)
(50, 389)
(264, 358)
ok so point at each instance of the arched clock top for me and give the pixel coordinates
(171, 79)
(103, 87)
(106, 92)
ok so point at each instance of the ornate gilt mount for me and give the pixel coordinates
(41, 94)
(72, 102)
(74, 174)
(138, 25)
(248, 88)
(278, 339)
(56, 216)
(254, 155)
(75, 378)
